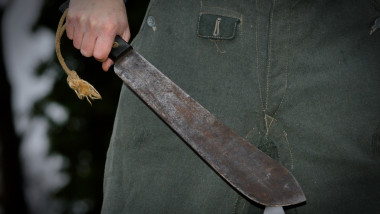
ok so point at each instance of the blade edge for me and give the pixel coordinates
(196, 124)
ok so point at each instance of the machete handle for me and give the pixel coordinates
(119, 47)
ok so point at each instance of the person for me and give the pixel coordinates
(298, 79)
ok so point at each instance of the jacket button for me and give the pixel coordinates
(151, 21)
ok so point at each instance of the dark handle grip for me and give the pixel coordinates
(119, 46)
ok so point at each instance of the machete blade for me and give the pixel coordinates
(246, 168)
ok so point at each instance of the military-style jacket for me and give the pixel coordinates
(298, 79)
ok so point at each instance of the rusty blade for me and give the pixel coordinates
(245, 167)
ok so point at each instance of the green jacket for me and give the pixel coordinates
(298, 79)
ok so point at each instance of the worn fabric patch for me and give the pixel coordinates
(213, 26)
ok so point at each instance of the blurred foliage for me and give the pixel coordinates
(12, 193)
(83, 138)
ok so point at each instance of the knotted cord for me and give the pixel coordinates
(81, 87)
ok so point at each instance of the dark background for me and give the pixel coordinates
(82, 140)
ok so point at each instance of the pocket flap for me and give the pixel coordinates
(213, 26)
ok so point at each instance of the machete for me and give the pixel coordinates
(242, 165)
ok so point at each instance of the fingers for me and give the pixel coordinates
(107, 64)
(126, 35)
(91, 39)
(93, 25)
(78, 38)
(69, 27)
(87, 47)
(104, 42)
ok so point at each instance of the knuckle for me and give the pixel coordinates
(83, 20)
(76, 44)
(74, 18)
(69, 18)
(93, 23)
(85, 50)
(109, 27)
(100, 55)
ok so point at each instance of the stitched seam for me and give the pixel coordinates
(249, 133)
(199, 21)
(268, 126)
(235, 205)
(287, 61)
(290, 150)
(217, 46)
(257, 56)
(240, 26)
(244, 203)
(269, 53)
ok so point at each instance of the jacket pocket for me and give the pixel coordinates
(213, 26)
(218, 23)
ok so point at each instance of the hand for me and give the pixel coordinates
(93, 25)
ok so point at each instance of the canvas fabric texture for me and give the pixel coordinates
(300, 80)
